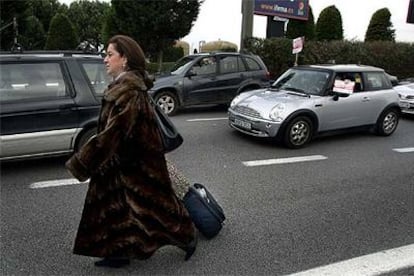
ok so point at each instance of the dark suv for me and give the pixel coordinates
(49, 102)
(208, 78)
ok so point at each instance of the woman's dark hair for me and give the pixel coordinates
(128, 47)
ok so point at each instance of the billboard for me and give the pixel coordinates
(410, 14)
(296, 9)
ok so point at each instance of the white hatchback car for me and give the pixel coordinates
(310, 100)
(406, 94)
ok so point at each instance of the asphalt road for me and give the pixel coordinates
(281, 219)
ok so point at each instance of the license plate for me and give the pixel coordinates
(242, 124)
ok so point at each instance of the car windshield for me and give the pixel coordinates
(309, 82)
(181, 65)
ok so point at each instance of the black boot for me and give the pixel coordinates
(190, 249)
(113, 262)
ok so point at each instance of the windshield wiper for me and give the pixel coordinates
(299, 91)
(274, 88)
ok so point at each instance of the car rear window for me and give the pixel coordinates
(21, 81)
(252, 64)
(97, 76)
(377, 81)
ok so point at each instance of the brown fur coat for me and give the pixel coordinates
(130, 209)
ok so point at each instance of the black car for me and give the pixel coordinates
(208, 78)
(49, 102)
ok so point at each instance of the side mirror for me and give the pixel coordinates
(337, 95)
(191, 73)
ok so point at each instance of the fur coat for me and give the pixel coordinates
(130, 209)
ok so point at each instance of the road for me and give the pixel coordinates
(347, 197)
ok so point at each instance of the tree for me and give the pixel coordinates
(62, 34)
(110, 25)
(329, 25)
(380, 27)
(297, 28)
(156, 25)
(88, 18)
(33, 36)
(173, 53)
(44, 10)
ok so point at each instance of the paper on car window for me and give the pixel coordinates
(344, 86)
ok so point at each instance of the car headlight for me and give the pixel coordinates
(276, 114)
(235, 101)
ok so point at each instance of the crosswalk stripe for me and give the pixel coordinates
(283, 160)
(404, 150)
(56, 183)
(378, 263)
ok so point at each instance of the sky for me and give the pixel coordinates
(221, 19)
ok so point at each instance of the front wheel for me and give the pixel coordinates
(298, 132)
(168, 102)
(387, 122)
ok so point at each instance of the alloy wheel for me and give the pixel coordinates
(390, 122)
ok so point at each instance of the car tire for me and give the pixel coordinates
(168, 102)
(387, 122)
(84, 138)
(298, 132)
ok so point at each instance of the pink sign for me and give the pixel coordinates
(298, 45)
(344, 86)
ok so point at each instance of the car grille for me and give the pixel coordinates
(247, 111)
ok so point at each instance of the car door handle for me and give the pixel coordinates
(365, 99)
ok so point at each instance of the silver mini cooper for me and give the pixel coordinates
(310, 100)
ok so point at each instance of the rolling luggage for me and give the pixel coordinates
(206, 213)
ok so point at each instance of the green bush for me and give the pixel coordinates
(395, 58)
(172, 54)
(62, 34)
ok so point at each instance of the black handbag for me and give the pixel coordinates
(205, 212)
(170, 136)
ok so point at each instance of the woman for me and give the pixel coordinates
(131, 209)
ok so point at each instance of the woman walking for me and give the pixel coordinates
(131, 209)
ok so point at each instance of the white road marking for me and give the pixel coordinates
(283, 160)
(403, 150)
(56, 183)
(206, 119)
(369, 265)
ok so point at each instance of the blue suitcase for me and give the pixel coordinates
(206, 213)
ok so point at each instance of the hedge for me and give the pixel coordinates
(397, 58)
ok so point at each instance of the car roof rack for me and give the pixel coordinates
(65, 53)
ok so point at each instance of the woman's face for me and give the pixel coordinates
(114, 63)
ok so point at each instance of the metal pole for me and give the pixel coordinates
(247, 21)
(16, 30)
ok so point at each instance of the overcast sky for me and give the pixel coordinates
(221, 19)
